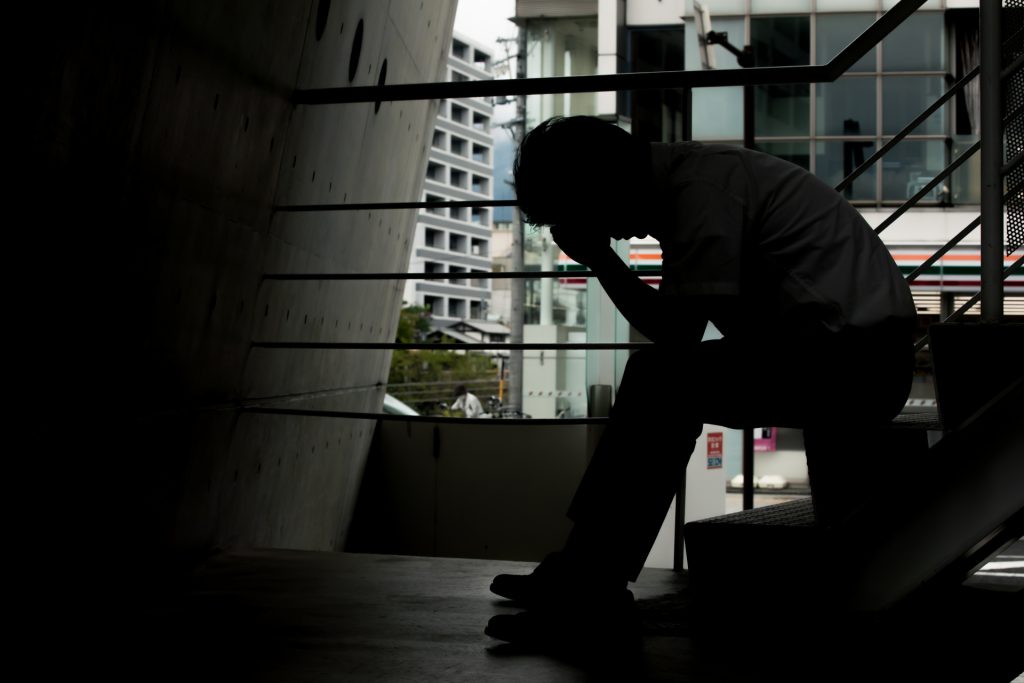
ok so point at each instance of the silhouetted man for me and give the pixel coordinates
(815, 315)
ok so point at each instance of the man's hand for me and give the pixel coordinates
(590, 248)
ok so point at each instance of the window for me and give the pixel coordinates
(480, 216)
(433, 267)
(435, 172)
(836, 31)
(481, 60)
(434, 304)
(458, 76)
(831, 128)
(480, 185)
(459, 178)
(439, 139)
(781, 110)
(460, 114)
(439, 210)
(481, 154)
(918, 44)
(433, 238)
(456, 308)
(459, 146)
(457, 270)
(457, 243)
(476, 310)
(481, 122)
(460, 50)
(479, 247)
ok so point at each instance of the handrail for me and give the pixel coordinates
(355, 415)
(959, 313)
(480, 346)
(946, 172)
(955, 240)
(487, 275)
(618, 82)
(373, 206)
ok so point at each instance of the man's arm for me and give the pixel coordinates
(659, 317)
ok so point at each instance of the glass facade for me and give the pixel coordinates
(830, 128)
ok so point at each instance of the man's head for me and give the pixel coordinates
(580, 170)
(460, 390)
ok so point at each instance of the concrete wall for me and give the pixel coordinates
(487, 490)
(163, 137)
(494, 490)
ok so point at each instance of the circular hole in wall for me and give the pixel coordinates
(322, 10)
(357, 49)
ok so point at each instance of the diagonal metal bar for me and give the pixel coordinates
(946, 172)
(1012, 163)
(930, 261)
(481, 346)
(1013, 67)
(618, 82)
(884, 149)
(970, 303)
(521, 275)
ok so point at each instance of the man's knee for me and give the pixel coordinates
(645, 362)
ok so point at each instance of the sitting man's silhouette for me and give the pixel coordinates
(816, 320)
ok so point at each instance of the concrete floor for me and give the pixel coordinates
(305, 616)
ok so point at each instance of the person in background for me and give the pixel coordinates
(466, 402)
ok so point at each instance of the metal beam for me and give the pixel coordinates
(991, 163)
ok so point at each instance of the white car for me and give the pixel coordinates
(392, 406)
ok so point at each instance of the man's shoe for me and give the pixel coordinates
(590, 628)
(558, 581)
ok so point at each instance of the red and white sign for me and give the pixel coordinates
(714, 450)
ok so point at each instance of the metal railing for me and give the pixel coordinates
(990, 71)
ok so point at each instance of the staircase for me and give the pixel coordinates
(943, 511)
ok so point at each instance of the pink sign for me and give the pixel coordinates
(714, 450)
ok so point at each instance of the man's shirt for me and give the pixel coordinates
(744, 224)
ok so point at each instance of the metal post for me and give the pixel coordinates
(679, 546)
(748, 116)
(748, 468)
(748, 432)
(991, 164)
(517, 297)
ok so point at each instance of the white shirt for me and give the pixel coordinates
(748, 224)
(468, 404)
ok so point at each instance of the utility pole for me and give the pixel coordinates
(517, 288)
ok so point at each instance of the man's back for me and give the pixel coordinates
(746, 224)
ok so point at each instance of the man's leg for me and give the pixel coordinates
(637, 466)
(780, 379)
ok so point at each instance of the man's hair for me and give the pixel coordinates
(566, 160)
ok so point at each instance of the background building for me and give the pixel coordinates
(460, 167)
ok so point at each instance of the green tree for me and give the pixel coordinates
(424, 377)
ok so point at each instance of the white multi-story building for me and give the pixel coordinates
(460, 167)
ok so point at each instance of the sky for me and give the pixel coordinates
(485, 21)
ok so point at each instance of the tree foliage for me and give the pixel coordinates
(424, 377)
